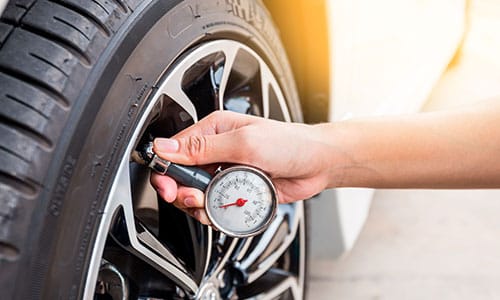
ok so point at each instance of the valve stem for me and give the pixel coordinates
(185, 175)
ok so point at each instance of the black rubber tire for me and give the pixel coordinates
(74, 77)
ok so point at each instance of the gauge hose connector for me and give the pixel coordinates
(143, 154)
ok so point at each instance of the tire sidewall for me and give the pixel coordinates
(124, 80)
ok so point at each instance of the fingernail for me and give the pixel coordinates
(189, 202)
(166, 145)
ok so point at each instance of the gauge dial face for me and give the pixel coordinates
(240, 201)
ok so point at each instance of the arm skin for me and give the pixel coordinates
(447, 149)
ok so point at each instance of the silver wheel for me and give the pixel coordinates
(145, 248)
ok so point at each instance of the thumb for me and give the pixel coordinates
(200, 149)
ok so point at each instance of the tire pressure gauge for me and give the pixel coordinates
(240, 201)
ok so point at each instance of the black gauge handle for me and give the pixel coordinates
(185, 175)
(189, 176)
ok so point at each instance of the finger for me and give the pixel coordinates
(198, 214)
(201, 216)
(216, 138)
(233, 146)
(165, 186)
(189, 198)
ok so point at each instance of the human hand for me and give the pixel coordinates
(293, 155)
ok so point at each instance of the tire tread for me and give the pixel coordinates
(41, 44)
(94, 13)
(47, 50)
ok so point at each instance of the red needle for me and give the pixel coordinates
(240, 202)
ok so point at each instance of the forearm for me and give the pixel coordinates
(455, 149)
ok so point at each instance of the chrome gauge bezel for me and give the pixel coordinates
(274, 201)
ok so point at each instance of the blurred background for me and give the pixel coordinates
(397, 57)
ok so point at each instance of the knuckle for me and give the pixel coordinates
(247, 142)
(216, 114)
(249, 137)
(214, 118)
(196, 146)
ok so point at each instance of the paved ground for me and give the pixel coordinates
(419, 245)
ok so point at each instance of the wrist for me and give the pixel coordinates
(328, 142)
(342, 151)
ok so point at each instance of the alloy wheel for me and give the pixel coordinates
(146, 248)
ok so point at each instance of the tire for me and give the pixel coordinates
(81, 83)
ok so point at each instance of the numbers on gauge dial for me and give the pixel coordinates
(240, 201)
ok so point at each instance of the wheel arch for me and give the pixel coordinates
(303, 28)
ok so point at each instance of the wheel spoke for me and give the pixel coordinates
(172, 87)
(150, 241)
(243, 249)
(271, 244)
(276, 284)
(265, 78)
(271, 93)
(288, 284)
(141, 242)
(224, 248)
(229, 58)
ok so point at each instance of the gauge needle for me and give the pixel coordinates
(240, 202)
